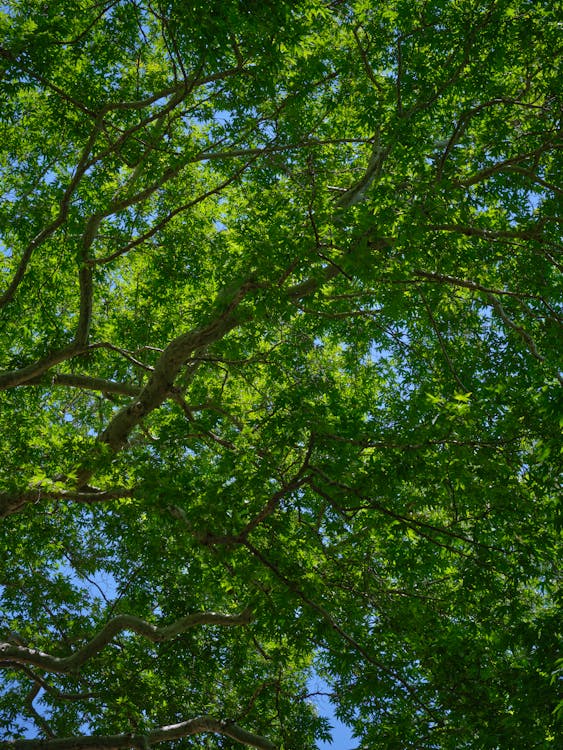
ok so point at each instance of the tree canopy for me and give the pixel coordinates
(280, 386)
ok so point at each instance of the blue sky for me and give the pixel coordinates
(341, 734)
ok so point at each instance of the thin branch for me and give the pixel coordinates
(272, 148)
(442, 344)
(524, 335)
(415, 524)
(121, 106)
(267, 510)
(24, 261)
(39, 720)
(59, 695)
(487, 234)
(12, 503)
(468, 284)
(366, 63)
(492, 297)
(5, 53)
(85, 382)
(179, 209)
(179, 399)
(501, 166)
(367, 442)
(66, 664)
(124, 353)
(295, 588)
(464, 121)
(38, 240)
(535, 178)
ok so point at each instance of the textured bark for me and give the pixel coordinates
(176, 354)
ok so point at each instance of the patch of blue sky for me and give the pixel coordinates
(342, 737)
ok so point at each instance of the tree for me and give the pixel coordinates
(280, 325)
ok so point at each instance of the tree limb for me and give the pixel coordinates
(87, 383)
(11, 378)
(65, 664)
(168, 366)
(12, 503)
(198, 725)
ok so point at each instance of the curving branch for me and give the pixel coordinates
(181, 349)
(39, 720)
(64, 664)
(12, 503)
(60, 219)
(197, 725)
(12, 378)
(176, 354)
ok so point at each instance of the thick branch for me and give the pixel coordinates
(64, 664)
(181, 350)
(356, 193)
(12, 378)
(198, 725)
(85, 278)
(176, 354)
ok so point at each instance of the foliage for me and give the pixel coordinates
(280, 324)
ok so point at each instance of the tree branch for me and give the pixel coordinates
(168, 366)
(198, 725)
(12, 378)
(442, 343)
(87, 383)
(12, 503)
(468, 284)
(65, 664)
(335, 626)
(162, 223)
(81, 167)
